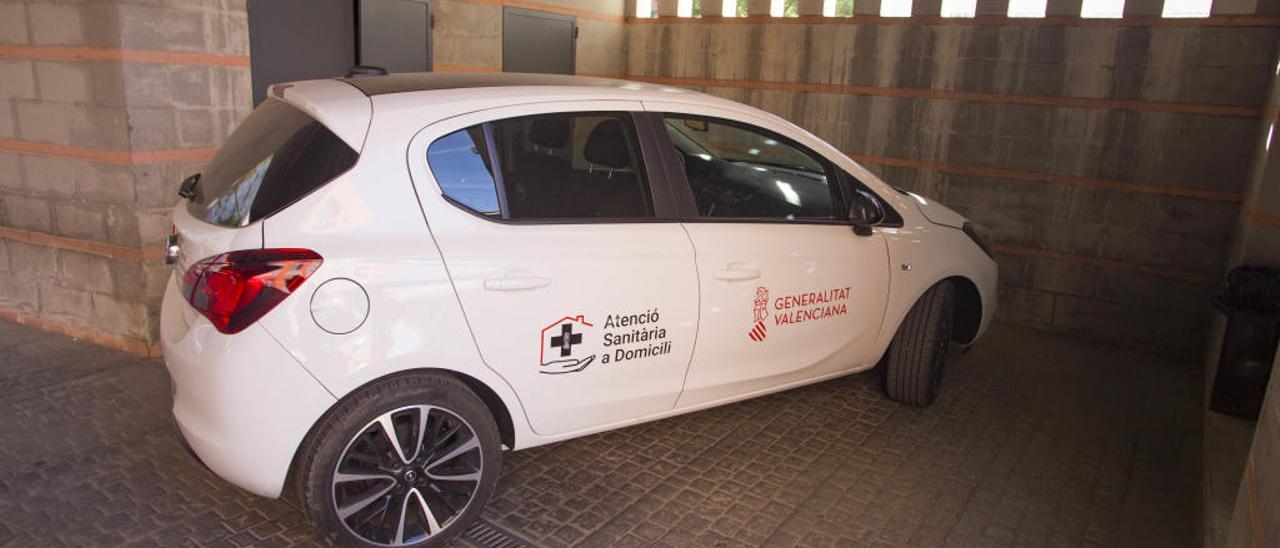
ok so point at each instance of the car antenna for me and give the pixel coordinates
(362, 71)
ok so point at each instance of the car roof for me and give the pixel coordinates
(431, 81)
(346, 105)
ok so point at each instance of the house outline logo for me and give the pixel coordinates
(559, 340)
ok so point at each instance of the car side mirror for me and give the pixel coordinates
(865, 212)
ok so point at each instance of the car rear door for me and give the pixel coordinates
(788, 291)
(579, 289)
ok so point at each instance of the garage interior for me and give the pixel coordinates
(1118, 152)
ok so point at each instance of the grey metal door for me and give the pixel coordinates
(536, 41)
(396, 34)
(299, 40)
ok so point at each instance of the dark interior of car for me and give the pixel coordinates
(544, 182)
(729, 183)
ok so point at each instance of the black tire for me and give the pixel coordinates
(918, 354)
(348, 439)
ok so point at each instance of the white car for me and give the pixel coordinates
(383, 282)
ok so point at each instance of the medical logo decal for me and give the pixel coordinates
(558, 342)
(796, 308)
(570, 344)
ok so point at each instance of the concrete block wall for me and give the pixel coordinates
(468, 34)
(104, 108)
(1258, 230)
(1107, 159)
(1255, 519)
(1244, 505)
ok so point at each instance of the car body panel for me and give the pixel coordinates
(423, 263)
(849, 272)
(937, 213)
(922, 254)
(340, 107)
(598, 274)
(375, 235)
(228, 402)
(199, 240)
(821, 289)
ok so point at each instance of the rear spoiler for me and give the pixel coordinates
(339, 106)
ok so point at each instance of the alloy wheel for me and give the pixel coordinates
(407, 475)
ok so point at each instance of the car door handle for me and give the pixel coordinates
(516, 283)
(735, 274)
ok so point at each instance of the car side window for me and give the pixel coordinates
(738, 171)
(573, 165)
(549, 167)
(460, 163)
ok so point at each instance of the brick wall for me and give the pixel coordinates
(1106, 158)
(104, 107)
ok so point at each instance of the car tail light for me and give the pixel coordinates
(234, 289)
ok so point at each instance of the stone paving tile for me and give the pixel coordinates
(1037, 440)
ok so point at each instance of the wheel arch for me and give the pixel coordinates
(968, 311)
(501, 415)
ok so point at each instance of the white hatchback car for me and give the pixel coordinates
(509, 260)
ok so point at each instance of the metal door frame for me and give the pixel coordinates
(431, 31)
(573, 20)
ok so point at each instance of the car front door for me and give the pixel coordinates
(578, 293)
(788, 291)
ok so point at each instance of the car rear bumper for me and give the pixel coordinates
(182, 439)
(242, 403)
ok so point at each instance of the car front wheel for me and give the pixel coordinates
(918, 353)
(409, 461)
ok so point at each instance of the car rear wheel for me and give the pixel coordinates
(405, 462)
(918, 353)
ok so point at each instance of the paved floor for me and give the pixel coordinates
(1037, 440)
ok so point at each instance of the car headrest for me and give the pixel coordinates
(549, 131)
(607, 145)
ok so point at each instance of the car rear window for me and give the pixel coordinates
(278, 155)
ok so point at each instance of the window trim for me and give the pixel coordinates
(659, 200)
(668, 186)
(850, 184)
(682, 191)
(499, 183)
(660, 153)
